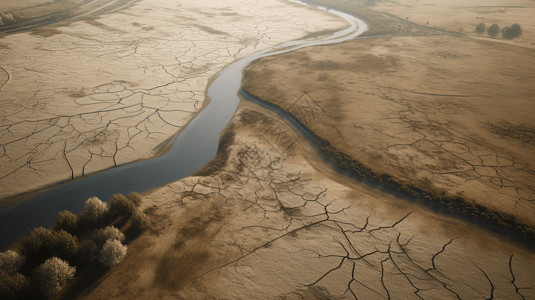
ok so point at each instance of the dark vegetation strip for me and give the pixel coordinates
(496, 221)
(222, 156)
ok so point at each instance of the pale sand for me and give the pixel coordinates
(96, 94)
(268, 225)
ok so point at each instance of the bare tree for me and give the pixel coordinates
(512, 32)
(493, 30)
(67, 221)
(100, 236)
(94, 209)
(10, 262)
(480, 28)
(112, 253)
(52, 276)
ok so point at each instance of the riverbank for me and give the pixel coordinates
(261, 222)
(454, 132)
(60, 122)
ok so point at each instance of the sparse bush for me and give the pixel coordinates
(112, 253)
(94, 209)
(136, 198)
(140, 221)
(512, 32)
(67, 221)
(480, 28)
(493, 30)
(52, 276)
(10, 262)
(13, 286)
(100, 236)
(43, 243)
(122, 206)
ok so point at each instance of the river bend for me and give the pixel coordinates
(193, 148)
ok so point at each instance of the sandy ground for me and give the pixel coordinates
(99, 93)
(445, 113)
(463, 16)
(268, 225)
(20, 11)
(10, 5)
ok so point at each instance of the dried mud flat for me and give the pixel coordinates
(445, 114)
(264, 224)
(267, 219)
(463, 16)
(103, 92)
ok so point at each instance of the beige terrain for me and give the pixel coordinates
(447, 114)
(23, 14)
(463, 16)
(268, 218)
(99, 93)
(10, 5)
(266, 224)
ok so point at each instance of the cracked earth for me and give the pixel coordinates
(267, 225)
(108, 91)
(467, 15)
(462, 125)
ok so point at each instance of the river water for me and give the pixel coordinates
(193, 148)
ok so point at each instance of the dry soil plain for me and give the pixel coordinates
(447, 114)
(98, 93)
(268, 220)
(281, 224)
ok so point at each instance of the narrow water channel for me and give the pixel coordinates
(195, 146)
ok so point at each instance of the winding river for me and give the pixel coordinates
(193, 148)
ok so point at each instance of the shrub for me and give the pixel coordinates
(43, 243)
(512, 32)
(493, 30)
(122, 206)
(100, 236)
(94, 209)
(136, 198)
(140, 221)
(67, 221)
(52, 276)
(480, 28)
(13, 286)
(112, 253)
(10, 262)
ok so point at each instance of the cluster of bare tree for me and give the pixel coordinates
(43, 263)
(508, 32)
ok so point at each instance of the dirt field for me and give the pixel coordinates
(444, 113)
(103, 92)
(463, 16)
(268, 225)
(267, 218)
(17, 12)
(10, 5)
